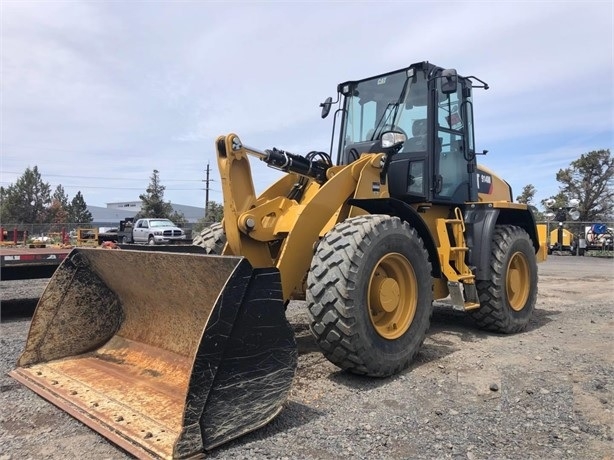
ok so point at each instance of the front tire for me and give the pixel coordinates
(151, 241)
(369, 294)
(508, 298)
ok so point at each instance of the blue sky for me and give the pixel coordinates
(99, 94)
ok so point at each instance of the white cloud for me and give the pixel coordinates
(107, 89)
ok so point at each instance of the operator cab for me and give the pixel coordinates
(432, 107)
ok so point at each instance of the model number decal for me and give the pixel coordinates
(484, 183)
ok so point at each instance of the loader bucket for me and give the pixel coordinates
(165, 354)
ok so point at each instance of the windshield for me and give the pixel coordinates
(383, 104)
(161, 223)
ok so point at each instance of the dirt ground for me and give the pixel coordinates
(545, 393)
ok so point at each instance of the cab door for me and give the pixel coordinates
(453, 155)
(141, 231)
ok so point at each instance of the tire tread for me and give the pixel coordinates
(212, 239)
(494, 314)
(331, 282)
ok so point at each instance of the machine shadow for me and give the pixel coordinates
(293, 415)
(445, 322)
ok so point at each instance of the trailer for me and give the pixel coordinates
(597, 237)
(17, 263)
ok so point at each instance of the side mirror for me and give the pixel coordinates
(392, 139)
(449, 80)
(326, 105)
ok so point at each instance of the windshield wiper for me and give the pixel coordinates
(384, 118)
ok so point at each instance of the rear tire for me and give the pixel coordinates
(369, 294)
(508, 298)
(212, 239)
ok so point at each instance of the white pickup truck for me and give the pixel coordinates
(156, 231)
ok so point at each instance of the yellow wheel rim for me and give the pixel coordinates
(518, 282)
(392, 296)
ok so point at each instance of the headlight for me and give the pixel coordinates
(157, 233)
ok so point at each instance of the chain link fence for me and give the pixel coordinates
(596, 235)
(585, 236)
(58, 233)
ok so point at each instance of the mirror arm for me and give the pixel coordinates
(388, 154)
(483, 85)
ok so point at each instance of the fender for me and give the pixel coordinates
(480, 221)
(398, 208)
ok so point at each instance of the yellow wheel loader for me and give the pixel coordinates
(169, 354)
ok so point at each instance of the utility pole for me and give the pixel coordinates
(207, 189)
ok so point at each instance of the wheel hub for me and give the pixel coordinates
(393, 296)
(386, 294)
(518, 281)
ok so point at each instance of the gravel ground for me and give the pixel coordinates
(544, 393)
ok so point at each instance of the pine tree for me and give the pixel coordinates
(60, 196)
(153, 200)
(78, 210)
(4, 211)
(589, 179)
(59, 211)
(26, 200)
(527, 195)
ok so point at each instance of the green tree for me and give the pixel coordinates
(590, 179)
(4, 212)
(59, 210)
(178, 218)
(60, 196)
(527, 195)
(78, 210)
(214, 213)
(26, 200)
(57, 214)
(153, 200)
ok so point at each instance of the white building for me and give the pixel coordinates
(114, 212)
